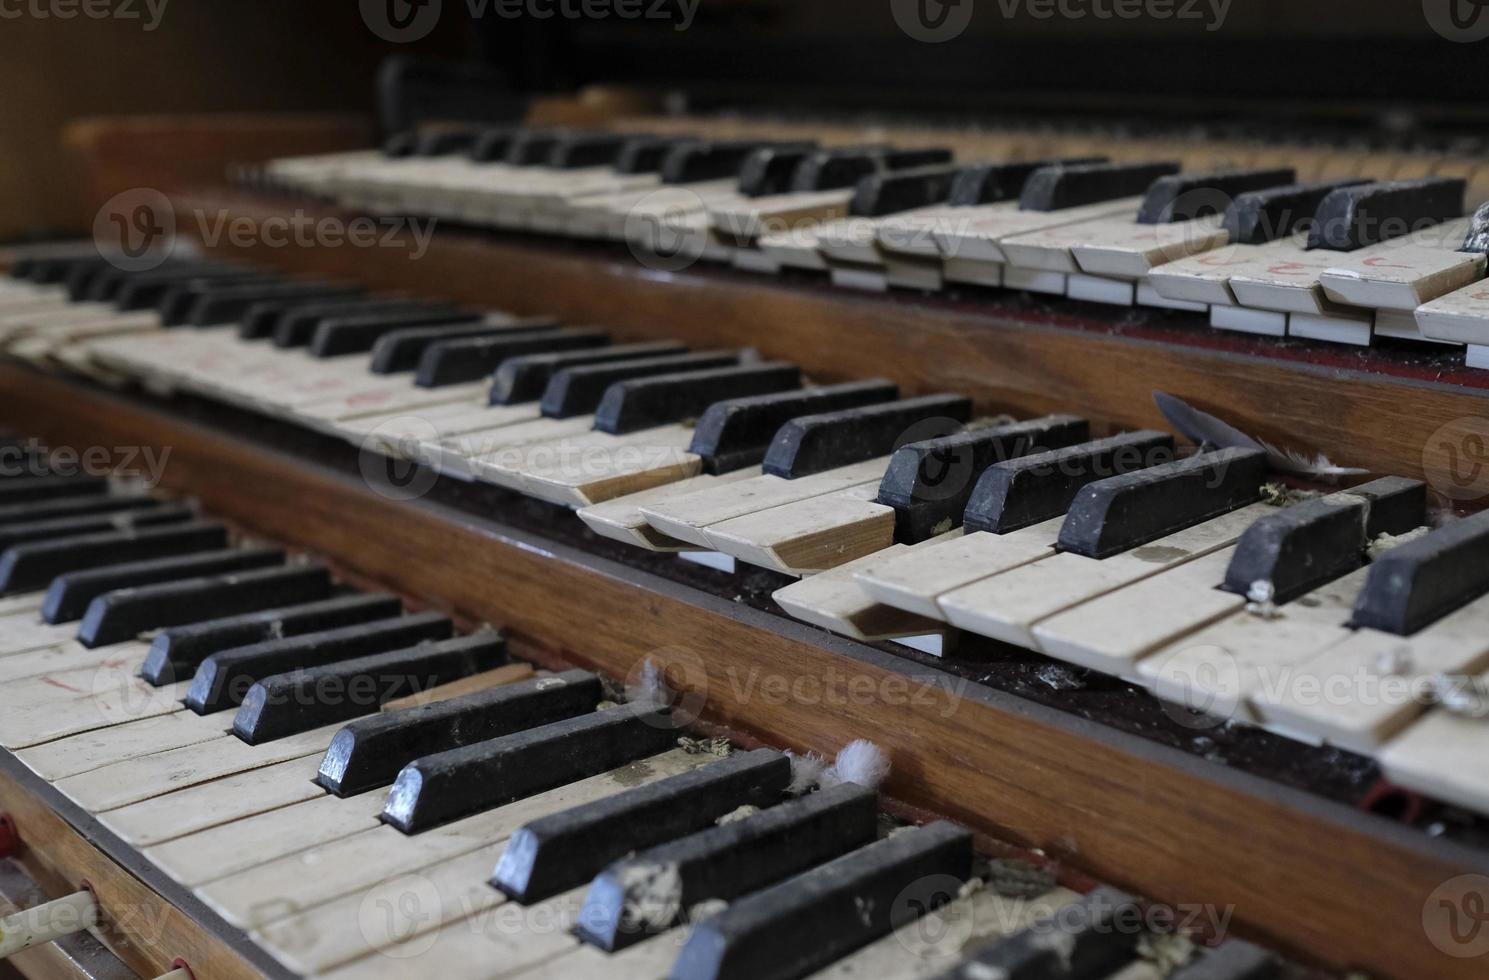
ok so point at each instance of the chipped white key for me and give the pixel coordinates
(809, 536)
(1402, 279)
(834, 600)
(1205, 278)
(1441, 755)
(621, 518)
(93, 750)
(598, 466)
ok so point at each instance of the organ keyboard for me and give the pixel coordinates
(478, 816)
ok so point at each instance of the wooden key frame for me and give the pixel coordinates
(1039, 777)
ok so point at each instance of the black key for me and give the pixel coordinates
(459, 782)
(1301, 547)
(147, 289)
(59, 527)
(833, 169)
(769, 169)
(69, 595)
(816, 918)
(1185, 197)
(229, 305)
(176, 653)
(625, 904)
(523, 379)
(562, 851)
(80, 278)
(176, 303)
(816, 443)
(645, 403)
(491, 145)
(1232, 960)
(30, 566)
(400, 145)
(578, 390)
(1040, 487)
(929, 483)
(369, 753)
(107, 283)
(989, 183)
(297, 326)
(454, 361)
(24, 488)
(1477, 239)
(1416, 584)
(444, 142)
(1123, 512)
(261, 320)
(1351, 218)
(224, 678)
(303, 700)
(530, 147)
(1086, 941)
(400, 350)
(586, 150)
(1257, 217)
(126, 613)
(643, 154)
(691, 163)
(355, 334)
(46, 510)
(892, 191)
(1057, 188)
(736, 433)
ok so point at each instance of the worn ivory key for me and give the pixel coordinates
(834, 600)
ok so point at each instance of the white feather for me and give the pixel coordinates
(861, 762)
(806, 771)
(1317, 467)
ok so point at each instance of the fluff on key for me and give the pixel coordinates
(860, 761)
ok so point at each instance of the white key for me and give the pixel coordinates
(1205, 278)
(337, 932)
(133, 780)
(1116, 247)
(389, 432)
(1403, 279)
(92, 750)
(403, 397)
(1113, 632)
(978, 238)
(621, 519)
(1360, 692)
(796, 248)
(687, 518)
(915, 581)
(277, 889)
(507, 937)
(809, 536)
(1009, 606)
(1442, 755)
(499, 455)
(1227, 665)
(36, 724)
(599, 466)
(256, 839)
(834, 600)
(221, 801)
(747, 219)
(66, 671)
(1460, 317)
(1265, 322)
